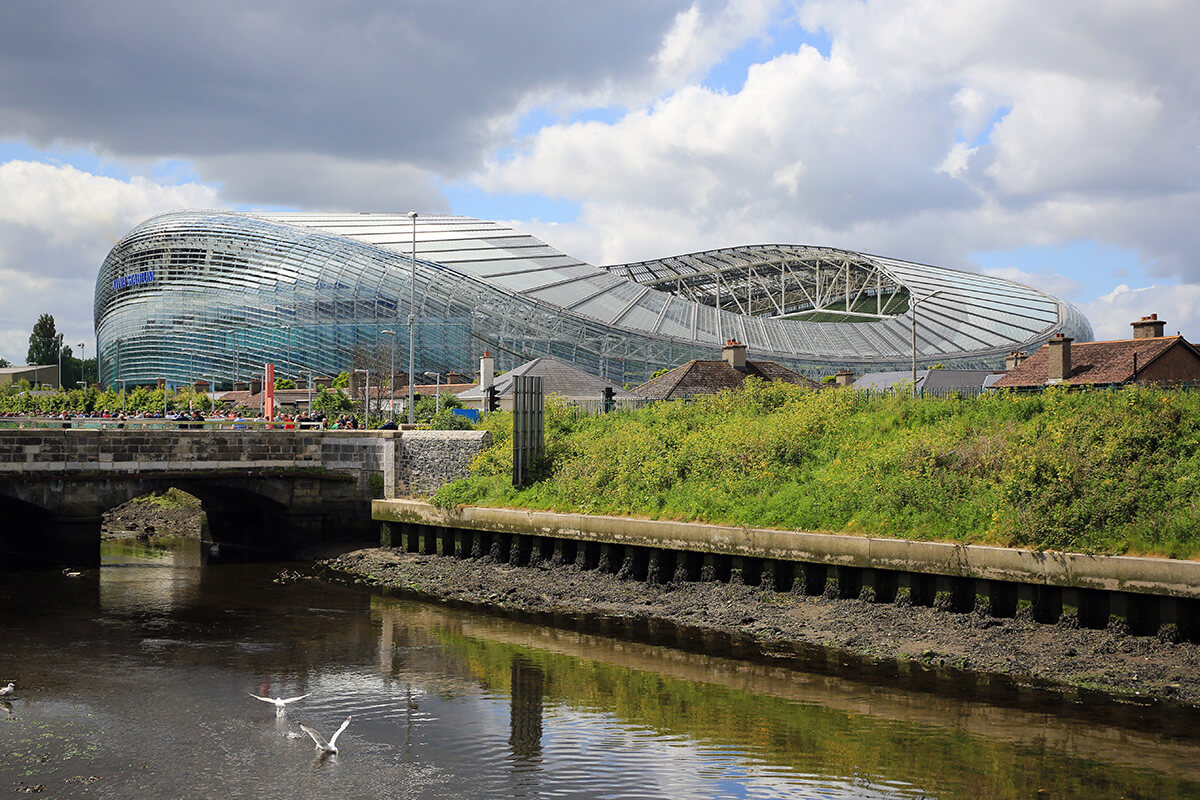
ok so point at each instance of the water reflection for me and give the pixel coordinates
(138, 676)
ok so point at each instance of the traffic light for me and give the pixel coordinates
(608, 399)
(493, 399)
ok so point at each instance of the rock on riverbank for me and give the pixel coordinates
(1108, 660)
(173, 514)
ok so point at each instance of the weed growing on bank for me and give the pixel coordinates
(1101, 472)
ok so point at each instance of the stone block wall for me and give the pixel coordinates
(427, 459)
(410, 463)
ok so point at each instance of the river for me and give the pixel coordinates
(133, 681)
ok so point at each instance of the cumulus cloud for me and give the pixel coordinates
(1177, 305)
(932, 130)
(57, 224)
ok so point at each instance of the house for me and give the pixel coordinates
(934, 381)
(698, 377)
(1149, 357)
(558, 377)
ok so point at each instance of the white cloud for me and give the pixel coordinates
(1178, 306)
(57, 224)
(881, 146)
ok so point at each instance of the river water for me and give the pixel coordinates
(133, 681)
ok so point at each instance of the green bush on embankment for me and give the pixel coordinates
(1101, 471)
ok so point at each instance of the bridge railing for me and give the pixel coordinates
(152, 423)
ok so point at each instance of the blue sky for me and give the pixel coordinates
(992, 141)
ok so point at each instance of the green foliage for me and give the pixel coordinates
(285, 383)
(5, 363)
(342, 381)
(331, 401)
(426, 405)
(1103, 472)
(447, 420)
(658, 372)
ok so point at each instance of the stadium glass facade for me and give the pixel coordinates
(194, 295)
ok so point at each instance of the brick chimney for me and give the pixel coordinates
(454, 377)
(256, 386)
(323, 382)
(1058, 365)
(734, 353)
(487, 371)
(844, 377)
(301, 383)
(201, 387)
(162, 383)
(1150, 327)
(1013, 360)
(240, 386)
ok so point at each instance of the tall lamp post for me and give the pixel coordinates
(60, 348)
(913, 307)
(437, 397)
(392, 379)
(412, 313)
(83, 362)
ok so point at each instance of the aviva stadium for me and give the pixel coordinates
(193, 295)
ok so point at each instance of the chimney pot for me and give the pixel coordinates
(734, 353)
(255, 386)
(487, 372)
(844, 378)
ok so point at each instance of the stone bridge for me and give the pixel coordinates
(266, 491)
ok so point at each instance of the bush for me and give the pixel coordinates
(1103, 472)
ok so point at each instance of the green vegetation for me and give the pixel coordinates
(18, 399)
(1100, 472)
(169, 498)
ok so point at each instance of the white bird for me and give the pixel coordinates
(280, 703)
(7, 690)
(331, 745)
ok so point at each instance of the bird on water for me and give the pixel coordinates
(322, 745)
(280, 703)
(5, 691)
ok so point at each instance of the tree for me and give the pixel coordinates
(285, 383)
(44, 342)
(331, 401)
(342, 381)
(4, 362)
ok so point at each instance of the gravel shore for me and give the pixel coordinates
(1108, 660)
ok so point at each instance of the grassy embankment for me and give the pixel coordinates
(1098, 472)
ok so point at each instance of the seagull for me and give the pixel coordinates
(7, 690)
(324, 746)
(279, 702)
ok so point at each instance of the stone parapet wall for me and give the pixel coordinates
(409, 462)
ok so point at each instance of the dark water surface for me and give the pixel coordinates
(133, 681)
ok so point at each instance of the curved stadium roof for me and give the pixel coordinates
(314, 293)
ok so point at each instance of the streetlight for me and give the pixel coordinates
(392, 379)
(122, 382)
(412, 311)
(367, 397)
(437, 397)
(83, 363)
(912, 305)
(60, 341)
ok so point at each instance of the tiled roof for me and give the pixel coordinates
(558, 377)
(708, 377)
(1094, 362)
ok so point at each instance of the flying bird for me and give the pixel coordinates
(280, 703)
(7, 690)
(322, 745)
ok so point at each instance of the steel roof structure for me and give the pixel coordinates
(193, 294)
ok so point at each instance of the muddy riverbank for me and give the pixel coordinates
(1109, 660)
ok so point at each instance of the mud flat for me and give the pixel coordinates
(1109, 660)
